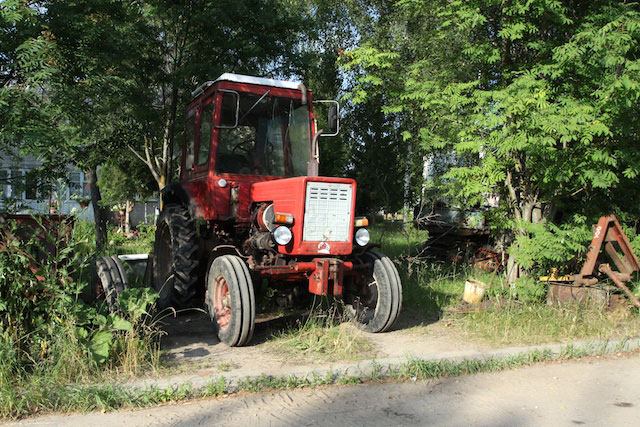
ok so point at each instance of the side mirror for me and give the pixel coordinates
(230, 109)
(333, 117)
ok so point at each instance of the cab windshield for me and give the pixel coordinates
(272, 136)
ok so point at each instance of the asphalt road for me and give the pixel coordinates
(598, 392)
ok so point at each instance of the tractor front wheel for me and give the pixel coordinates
(231, 301)
(373, 300)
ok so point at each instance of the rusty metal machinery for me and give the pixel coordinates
(606, 233)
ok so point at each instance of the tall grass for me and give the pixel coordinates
(433, 289)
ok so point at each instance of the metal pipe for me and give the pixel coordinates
(303, 89)
(605, 268)
(314, 164)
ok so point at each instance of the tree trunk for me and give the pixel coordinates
(128, 207)
(527, 212)
(99, 213)
(407, 182)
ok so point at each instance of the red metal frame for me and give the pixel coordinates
(607, 231)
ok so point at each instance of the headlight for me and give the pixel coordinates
(282, 235)
(362, 237)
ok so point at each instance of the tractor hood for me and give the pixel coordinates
(322, 209)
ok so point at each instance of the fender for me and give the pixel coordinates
(176, 193)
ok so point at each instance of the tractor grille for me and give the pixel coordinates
(327, 213)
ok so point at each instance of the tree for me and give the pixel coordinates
(123, 181)
(534, 97)
(69, 77)
(196, 41)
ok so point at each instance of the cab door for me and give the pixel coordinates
(197, 151)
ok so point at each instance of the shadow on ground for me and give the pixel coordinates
(192, 333)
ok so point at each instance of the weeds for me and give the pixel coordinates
(323, 335)
(49, 338)
(536, 324)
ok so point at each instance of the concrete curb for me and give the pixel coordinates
(386, 365)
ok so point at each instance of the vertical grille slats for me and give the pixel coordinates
(327, 214)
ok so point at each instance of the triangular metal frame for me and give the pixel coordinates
(607, 231)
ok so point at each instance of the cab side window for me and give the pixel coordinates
(206, 125)
(189, 140)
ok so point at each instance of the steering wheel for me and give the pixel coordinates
(243, 146)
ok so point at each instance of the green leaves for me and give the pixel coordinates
(100, 345)
(137, 301)
(548, 245)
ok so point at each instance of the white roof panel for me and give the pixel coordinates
(239, 78)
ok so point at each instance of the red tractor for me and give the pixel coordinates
(250, 206)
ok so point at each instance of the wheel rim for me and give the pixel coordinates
(222, 302)
(364, 300)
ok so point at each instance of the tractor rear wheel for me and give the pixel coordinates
(112, 281)
(373, 300)
(175, 259)
(231, 301)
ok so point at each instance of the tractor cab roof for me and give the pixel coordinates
(239, 78)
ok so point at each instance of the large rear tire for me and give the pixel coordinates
(231, 301)
(373, 301)
(112, 281)
(175, 257)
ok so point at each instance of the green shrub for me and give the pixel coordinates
(47, 334)
(548, 245)
(529, 290)
(36, 286)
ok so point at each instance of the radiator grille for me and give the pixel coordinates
(327, 214)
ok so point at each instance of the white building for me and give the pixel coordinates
(23, 192)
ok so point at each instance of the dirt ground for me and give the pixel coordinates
(192, 348)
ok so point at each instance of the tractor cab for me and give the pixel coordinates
(249, 126)
(240, 130)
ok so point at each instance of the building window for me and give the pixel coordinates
(75, 184)
(31, 186)
(78, 187)
(4, 183)
(17, 184)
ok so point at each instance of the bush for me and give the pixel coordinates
(36, 287)
(529, 290)
(548, 245)
(47, 334)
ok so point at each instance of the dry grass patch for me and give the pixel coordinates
(324, 338)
